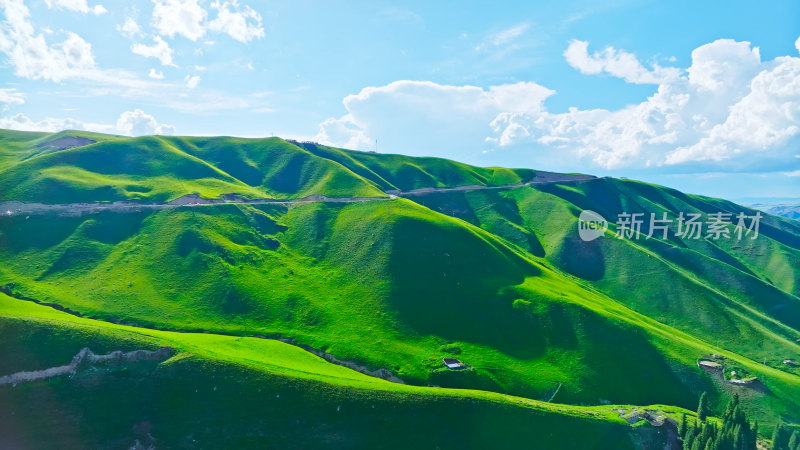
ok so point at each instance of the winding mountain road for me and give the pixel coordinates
(14, 207)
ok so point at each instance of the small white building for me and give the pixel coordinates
(453, 364)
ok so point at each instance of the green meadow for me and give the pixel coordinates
(554, 331)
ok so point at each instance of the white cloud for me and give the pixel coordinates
(10, 96)
(732, 111)
(159, 50)
(192, 81)
(80, 6)
(344, 132)
(240, 23)
(139, 123)
(24, 123)
(797, 44)
(417, 116)
(156, 74)
(618, 63)
(129, 28)
(200, 68)
(72, 59)
(129, 123)
(724, 64)
(30, 54)
(32, 57)
(189, 19)
(180, 17)
(727, 111)
(760, 124)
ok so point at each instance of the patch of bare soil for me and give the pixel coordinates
(66, 142)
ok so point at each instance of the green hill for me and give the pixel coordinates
(160, 169)
(492, 273)
(225, 392)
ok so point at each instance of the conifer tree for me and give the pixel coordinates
(683, 427)
(688, 441)
(702, 408)
(777, 436)
(752, 443)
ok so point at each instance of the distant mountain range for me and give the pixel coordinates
(785, 208)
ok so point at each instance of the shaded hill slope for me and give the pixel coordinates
(205, 397)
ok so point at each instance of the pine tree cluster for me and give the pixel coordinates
(735, 433)
(783, 440)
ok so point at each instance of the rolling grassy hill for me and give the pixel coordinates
(224, 392)
(156, 168)
(495, 277)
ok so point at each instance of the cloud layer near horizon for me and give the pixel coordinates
(728, 110)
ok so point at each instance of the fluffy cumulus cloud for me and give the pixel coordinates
(729, 110)
(395, 112)
(240, 23)
(22, 122)
(130, 123)
(159, 50)
(760, 125)
(31, 55)
(618, 63)
(189, 19)
(81, 6)
(179, 17)
(139, 123)
(28, 51)
(130, 28)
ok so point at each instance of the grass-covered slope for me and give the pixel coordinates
(70, 167)
(738, 294)
(386, 283)
(400, 172)
(495, 277)
(228, 392)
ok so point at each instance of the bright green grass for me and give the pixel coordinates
(406, 172)
(385, 283)
(164, 168)
(288, 382)
(498, 276)
(695, 286)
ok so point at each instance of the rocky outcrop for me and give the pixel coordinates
(85, 358)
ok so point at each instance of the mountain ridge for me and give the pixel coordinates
(483, 263)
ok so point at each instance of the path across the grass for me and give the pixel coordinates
(193, 200)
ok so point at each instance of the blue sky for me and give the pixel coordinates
(701, 96)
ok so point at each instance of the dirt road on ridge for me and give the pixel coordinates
(193, 200)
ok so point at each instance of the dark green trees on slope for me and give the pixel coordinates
(735, 432)
(785, 439)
